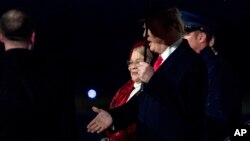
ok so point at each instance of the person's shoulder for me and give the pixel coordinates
(188, 52)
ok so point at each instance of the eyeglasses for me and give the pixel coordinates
(130, 62)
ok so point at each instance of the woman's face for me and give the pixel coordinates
(135, 58)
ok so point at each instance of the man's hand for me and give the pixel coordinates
(102, 121)
(145, 71)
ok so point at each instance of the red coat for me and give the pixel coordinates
(119, 99)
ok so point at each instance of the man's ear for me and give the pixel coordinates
(202, 37)
(33, 36)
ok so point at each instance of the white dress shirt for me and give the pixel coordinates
(137, 87)
(170, 49)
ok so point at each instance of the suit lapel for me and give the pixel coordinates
(174, 56)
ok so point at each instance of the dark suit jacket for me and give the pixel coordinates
(171, 108)
(223, 103)
(30, 100)
(17, 100)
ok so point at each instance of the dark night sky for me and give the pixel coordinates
(89, 40)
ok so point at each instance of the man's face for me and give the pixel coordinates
(156, 43)
(194, 39)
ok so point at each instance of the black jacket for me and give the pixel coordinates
(29, 100)
(223, 103)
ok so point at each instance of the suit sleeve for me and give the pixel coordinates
(126, 114)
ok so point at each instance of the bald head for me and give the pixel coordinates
(16, 25)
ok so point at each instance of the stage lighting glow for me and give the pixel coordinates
(92, 93)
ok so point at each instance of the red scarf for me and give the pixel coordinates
(122, 94)
(119, 99)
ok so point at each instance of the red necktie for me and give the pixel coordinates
(158, 62)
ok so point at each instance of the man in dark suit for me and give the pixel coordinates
(30, 101)
(17, 103)
(171, 106)
(223, 103)
(25, 104)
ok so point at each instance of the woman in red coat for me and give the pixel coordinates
(127, 91)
